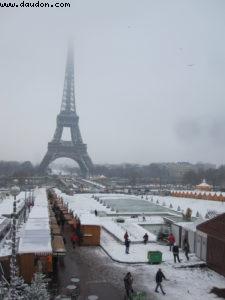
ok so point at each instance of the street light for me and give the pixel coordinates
(26, 202)
(15, 190)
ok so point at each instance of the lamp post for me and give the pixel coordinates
(15, 190)
(26, 201)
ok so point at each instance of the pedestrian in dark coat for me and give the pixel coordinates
(62, 220)
(126, 236)
(127, 245)
(78, 224)
(158, 278)
(145, 237)
(176, 253)
(128, 281)
(186, 248)
(79, 233)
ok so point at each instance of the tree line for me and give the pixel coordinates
(166, 173)
(16, 169)
(161, 173)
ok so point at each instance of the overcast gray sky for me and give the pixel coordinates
(150, 79)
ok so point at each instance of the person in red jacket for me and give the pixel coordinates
(171, 240)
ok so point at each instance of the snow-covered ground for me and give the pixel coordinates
(196, 205)
(183, 283)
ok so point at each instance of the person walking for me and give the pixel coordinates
(62, 221)
(176, 253)
(126, 236)
(158, 278)
(74, 238)
(186, 248)
(171, 240)
(127, 246)
(145, 237)
(128, 281)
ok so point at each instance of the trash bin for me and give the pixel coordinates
(154, 257)
(139, 296)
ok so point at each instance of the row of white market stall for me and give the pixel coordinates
(35, 249)
(37, 244)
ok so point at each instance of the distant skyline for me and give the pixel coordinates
(149, 79)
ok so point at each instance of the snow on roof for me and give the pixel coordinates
(3, 223)
(40, 197)
(40, 208)
(198, 192)
(83, 203)
(36, 235)
(39, 212)
(102, 176)
(35, 244)
(204, 184)
(191, 225)
(37, 224)
(2, 220)
(89, 219)
(6, 206)
(5, 250)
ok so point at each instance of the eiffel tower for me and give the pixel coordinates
(74, 149)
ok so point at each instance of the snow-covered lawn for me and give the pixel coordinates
(196, 205)
(185, 284)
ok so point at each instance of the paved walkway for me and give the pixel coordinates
(98, 275)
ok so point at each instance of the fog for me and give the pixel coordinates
(149, 79)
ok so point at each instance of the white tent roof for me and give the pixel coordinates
(36, 236)
(6, 206)
(203, 184)
(39, 244)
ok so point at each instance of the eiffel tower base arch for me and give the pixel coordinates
(82, 161)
